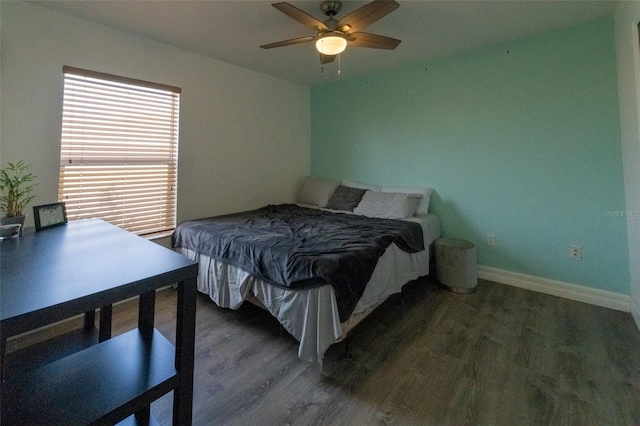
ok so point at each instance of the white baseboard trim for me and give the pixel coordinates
(579, 293)
(635, 312)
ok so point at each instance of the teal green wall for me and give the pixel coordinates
(521, 140)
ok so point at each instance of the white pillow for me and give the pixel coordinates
(424, 192)
(316, 191)
(388, 205)
(354, 184)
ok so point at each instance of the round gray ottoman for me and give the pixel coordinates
(456, 266)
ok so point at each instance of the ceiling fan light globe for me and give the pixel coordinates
(331, 45)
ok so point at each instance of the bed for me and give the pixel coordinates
(308, 279)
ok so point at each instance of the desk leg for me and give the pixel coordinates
(105, 323)
(3, 347)
(185, 340)
(146, 313)
(143, 417)
(89, 320)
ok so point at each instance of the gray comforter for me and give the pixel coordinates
(295, 247)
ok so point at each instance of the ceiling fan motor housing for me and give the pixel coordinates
(331, 7)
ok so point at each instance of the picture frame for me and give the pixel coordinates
(49, 215)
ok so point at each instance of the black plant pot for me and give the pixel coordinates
(9, 220)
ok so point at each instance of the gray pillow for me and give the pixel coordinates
(388, 205)
(316, 191)
(345, 198)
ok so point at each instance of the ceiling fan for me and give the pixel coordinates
(332, 35)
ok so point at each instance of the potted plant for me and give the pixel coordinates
(16, 189)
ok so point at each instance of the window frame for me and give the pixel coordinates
(125, 133)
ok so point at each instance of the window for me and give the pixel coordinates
(119, 154)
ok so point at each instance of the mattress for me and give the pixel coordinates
(311, 315)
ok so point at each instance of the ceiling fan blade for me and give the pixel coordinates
(374, 41)
(289, 42)
(366, 15)
(327, 59)
(300, 16)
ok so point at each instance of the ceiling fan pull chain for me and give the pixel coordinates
(339, 65)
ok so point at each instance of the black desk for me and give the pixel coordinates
(77, 268)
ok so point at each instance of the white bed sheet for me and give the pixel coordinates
(311, 315)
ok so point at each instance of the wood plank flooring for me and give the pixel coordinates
(500, 356)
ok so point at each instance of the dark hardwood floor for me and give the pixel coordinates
(500, 356)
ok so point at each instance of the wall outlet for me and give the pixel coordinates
(575, 252)
(491, 239)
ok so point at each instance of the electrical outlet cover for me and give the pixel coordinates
(575, 252)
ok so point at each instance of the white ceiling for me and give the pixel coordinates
(233, 30)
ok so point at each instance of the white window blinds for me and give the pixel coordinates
(119, 154)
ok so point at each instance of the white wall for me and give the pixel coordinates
(628, 56)
(244, 136)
